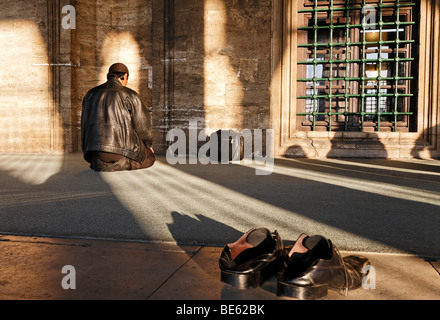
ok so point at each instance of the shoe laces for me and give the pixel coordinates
(345, 271)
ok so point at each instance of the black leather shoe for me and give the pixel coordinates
(247, 262)
(315, 265)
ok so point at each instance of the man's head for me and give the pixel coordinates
(120, 72)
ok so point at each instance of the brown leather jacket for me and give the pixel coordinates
(115, 120)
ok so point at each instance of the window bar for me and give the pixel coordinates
(357, 96)
(363, 68)
(358, 60)
(383, 82)
(401, 5)
(403, 23)
(347, 64)
(330, 96)
(315, 60)
(359, 78)
(396, 64)
(379, 76)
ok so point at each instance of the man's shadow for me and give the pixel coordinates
(185, 229)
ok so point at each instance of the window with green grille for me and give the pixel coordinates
(356, 63)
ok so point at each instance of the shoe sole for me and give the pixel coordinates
(301, 293)
(242, 281)
(250, 279)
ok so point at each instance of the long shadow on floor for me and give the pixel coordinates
(371, 212)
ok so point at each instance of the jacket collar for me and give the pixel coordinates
(114, 81)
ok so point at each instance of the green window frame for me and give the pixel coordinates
(356, 65)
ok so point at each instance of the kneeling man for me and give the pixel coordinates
(116, 129)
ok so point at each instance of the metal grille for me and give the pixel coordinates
(355, 68)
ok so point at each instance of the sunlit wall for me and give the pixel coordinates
(121, 47)
(29, 119)
(223, 92)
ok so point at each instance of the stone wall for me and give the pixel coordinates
(228, 64)
(189, 60)
(212, 64)
(108, 32)
(29, 119)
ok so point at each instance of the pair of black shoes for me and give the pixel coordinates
(305, 271)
